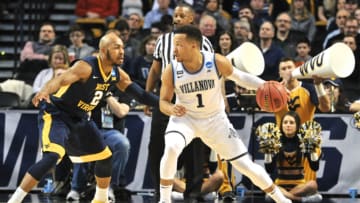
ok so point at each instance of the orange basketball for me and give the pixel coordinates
(271, 96)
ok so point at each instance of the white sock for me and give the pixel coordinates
(165, 193)
(277, 195)
(101, 194)
(18, 196)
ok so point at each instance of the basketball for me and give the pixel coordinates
(271, 96)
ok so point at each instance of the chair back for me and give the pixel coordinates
(9, 100)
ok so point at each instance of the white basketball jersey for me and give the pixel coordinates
(199, 92)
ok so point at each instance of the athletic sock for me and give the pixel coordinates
(18, 196)
(277, 195)
(165, 193)
(101, 194)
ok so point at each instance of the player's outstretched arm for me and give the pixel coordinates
(79, 71)
(166, 94)
(241, 78)
(126, 85)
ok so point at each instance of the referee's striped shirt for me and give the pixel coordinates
(164, 48)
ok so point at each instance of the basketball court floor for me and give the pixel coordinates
(147, 198)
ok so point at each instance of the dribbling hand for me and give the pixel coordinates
(40, 96)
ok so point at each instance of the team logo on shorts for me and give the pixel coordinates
(232, 133)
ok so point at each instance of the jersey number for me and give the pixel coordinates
(200, 101)
(97, 97)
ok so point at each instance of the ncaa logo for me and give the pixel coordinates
(208, 65)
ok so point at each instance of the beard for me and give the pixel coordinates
(114, 61)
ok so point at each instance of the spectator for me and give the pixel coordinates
(156, 29)
(350, 29)
(242, 31)
(167, 23)
(131, 45)
(237, 5)
(302, 19)
(109, 117)
(106, 9)
(357, 16)
(278, 6)
(208, 27)
(142, 63)
(78, 48)
(341, 16)
(332, 24)
(135, 22)
(334, 89)
(58, 59)
(261, 14)
(155, 15)
(290, 160)
(285, 37)
(213, 8)
(351, 85)
(132, 7)
(351, 6)
(39, 50)
(35, 54)
(272, 53)
(325, 10)
(303, 49)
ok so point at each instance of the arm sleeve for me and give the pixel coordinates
(245, 79)
(141, 95)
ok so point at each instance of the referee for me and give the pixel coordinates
(183, 15)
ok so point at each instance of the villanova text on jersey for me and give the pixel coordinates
(196, 86)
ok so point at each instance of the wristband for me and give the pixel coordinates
(319, 89)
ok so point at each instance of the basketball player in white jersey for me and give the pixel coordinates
(163, 54)
(199, 111)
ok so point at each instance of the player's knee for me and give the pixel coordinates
(43, 166)
(174, 144)
(103, 168)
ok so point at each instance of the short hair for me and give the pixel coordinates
(286, 58)
(304, 40)
(185, 5)
(122, 25)
(191, 32)
(76, 28)
(246, 7)
(47, 23)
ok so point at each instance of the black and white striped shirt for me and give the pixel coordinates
(164, 49)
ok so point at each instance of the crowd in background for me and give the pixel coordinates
(299, 29)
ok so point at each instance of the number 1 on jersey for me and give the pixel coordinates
(200, 102)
